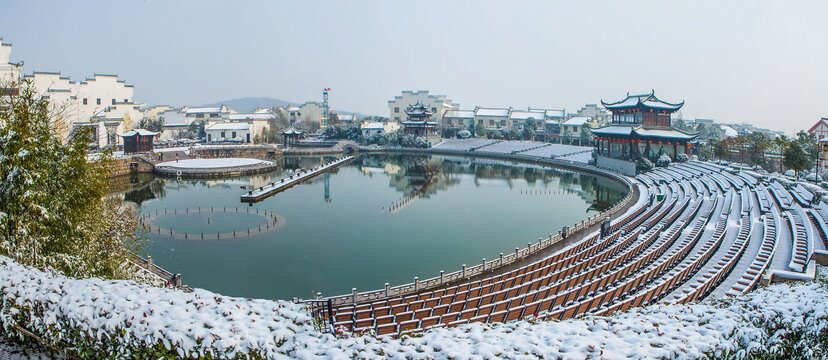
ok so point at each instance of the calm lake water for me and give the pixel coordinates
(379, 218)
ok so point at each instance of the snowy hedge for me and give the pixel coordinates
(122, 319)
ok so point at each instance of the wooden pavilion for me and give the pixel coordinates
(640, 127)
(138, 140)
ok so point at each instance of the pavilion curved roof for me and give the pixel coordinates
(291, 131)
(141, 132)
(418, 109)
(642, 131)
(648, 100)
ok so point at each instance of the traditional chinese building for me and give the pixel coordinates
(138, 140)
(418, 123)
(291, 136)
(640, 127)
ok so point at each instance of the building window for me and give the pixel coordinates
(491, 122)
(113, 101)
(84, 101)
(222, 134)
(396, 110)
(396, 118)
(126, 100)
(434, 109)
(200, 116)
(234, 134)
(99, 101)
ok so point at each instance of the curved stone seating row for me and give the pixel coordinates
(762, 260)
(678, 249)
(799, 251)
(724, 265)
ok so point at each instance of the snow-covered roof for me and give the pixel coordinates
(293, 108)
(577, 121)
(261, 111)
(346, 117)
(492, 112)
(664, 133)
(291, 131)
(729, 131)
(203, 110)
(613, 130)
(550, 112)
(524, 115)
(373, 126)
(141, 132)
(229, 126)
(463, 114)
(253, 116)
(647, 100)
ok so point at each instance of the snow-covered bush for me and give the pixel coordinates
(644, 165)
(463, 134)
(663, 160)
(125, 320)
(813, 177)
(53, 209)
(682, 158)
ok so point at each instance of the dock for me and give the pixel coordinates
(285, 183)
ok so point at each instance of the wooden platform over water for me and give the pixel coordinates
(285, 183)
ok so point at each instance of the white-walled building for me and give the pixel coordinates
(228, 132)
(259, 121)
(437, 104)
(206, 113)
(456, 120)
(309, 112)
(9, 71)
(379, 128)
(571, 129)
(492, 118)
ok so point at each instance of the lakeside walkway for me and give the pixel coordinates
(285, 183)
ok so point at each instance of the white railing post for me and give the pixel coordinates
(501, 259)
(464, 271)
(517, 253)
(484, 264)
(442, 274)
(386, 289)
(149, 262)
(353, 295)
(318, 295)
(416, 283)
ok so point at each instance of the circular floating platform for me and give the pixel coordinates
(211, 223)
(214, 167)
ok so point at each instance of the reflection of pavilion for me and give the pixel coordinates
(143, 190)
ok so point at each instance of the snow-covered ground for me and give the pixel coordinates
(131, 316)
(212, 163)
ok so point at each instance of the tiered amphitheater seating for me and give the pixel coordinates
(679, 249)
(464, 145)
(800, 253)
(751, 277)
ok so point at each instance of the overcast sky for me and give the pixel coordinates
(764, 63)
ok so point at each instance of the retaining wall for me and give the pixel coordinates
(265, 152)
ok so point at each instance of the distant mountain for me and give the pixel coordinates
(248, 104)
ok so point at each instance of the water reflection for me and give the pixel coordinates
(378, 218)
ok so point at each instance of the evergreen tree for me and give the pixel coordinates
(53, 206)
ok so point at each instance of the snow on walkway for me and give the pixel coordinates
(212, 163)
